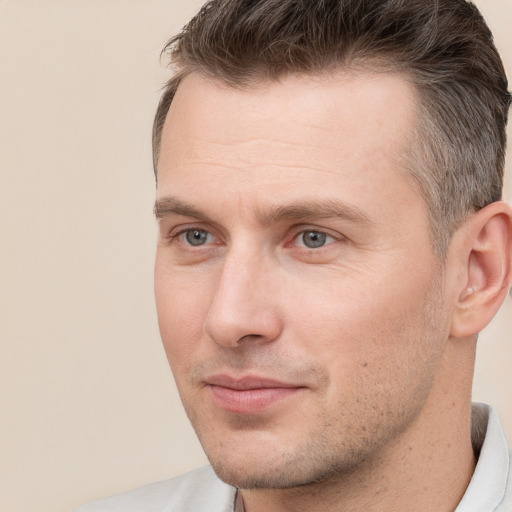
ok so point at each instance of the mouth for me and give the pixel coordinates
(250, 394)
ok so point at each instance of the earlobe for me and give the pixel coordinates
(486, 255)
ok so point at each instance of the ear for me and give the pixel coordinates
(484, 247)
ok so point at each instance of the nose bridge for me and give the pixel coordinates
(242, 305)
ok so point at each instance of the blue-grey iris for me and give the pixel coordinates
(314, 239)
(196, 237)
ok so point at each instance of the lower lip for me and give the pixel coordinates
(249, 401)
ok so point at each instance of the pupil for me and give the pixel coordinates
(196, 237)
(312, 239)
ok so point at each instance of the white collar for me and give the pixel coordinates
(488, 487)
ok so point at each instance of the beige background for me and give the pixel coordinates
(88, 406)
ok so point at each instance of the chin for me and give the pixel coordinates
(281, 470)
(258, 478)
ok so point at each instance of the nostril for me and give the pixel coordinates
(250, 338)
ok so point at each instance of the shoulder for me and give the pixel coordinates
(197, 491)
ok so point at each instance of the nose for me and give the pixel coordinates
(244, 304)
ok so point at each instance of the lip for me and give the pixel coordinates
(249, 394)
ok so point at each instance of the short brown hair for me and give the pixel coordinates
(457, 152)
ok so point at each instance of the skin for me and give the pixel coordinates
(359, 327)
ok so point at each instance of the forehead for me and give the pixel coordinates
(292, 138)
(332, 100)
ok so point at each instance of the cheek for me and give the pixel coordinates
(381, 355)
(182, 308)
(352, 325)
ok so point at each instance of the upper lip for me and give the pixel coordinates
(247, 382)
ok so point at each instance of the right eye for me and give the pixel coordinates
(196, 237)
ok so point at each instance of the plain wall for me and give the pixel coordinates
(88, 405)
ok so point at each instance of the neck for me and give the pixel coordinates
(426, 468)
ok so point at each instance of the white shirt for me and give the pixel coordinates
(490, 489)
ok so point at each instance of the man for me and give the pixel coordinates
(332, 240)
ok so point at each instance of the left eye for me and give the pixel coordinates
(313, 239)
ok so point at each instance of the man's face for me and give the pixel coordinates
(298, 297)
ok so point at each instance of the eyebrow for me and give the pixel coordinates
(167, 206)
(310, 209)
